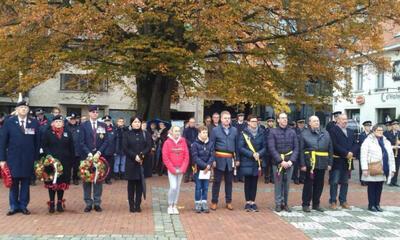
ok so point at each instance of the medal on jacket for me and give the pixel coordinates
(101, 136)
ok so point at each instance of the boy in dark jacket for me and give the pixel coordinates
(202, 157)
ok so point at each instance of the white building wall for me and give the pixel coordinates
(387, 97)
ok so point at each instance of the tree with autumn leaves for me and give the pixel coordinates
(256, 51)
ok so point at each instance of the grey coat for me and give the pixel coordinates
(316, 141)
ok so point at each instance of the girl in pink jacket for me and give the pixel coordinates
(175, 155)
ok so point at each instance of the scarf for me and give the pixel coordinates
(58, 131)
(385, 155)
(253, 132)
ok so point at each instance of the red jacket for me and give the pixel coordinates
(175, 155)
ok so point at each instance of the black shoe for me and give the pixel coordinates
(108, 181)
(254, 208)
(97, 208)
(396, 185)
(138, 209)
(12, 212)
(132, 210)
(60, 207)
(287, 208)
(306, 209)
(51, 206)
(76, 182)
(319, 209)
(372, 209)
(247, 207)
(278, 209)
(378, 208)
(297, 182)
(33, 183)
(266, 181)
(25, 211)
(88, 209)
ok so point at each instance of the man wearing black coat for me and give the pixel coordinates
(283, 145)
(394, 137)
(190, 134)
(345, 148)
(73, 128)
(316, 151)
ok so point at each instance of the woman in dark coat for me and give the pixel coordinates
(58, 143)
(252, 151)
(137, 145)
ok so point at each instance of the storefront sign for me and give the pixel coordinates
(390, 96)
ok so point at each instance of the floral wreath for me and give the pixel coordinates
(48, 169)
(94, 169)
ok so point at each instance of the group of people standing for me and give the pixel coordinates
(219, 149)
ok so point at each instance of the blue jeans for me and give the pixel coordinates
(337, 177)
(201, 190)
(119, 163)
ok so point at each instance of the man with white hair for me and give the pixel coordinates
(345, 147)
(316, 152)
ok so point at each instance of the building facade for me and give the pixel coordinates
(376, 94)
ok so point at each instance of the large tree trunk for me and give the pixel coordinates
(154, 96)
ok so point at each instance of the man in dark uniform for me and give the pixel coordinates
(367, 129)
(224, 149)
(190, 134)
(394, 137)
(267, 161)
(73, 126)
(345, 149)
(332, 123)
(298, 176)
(240, 124)
(110, 150)
(93, 140)
(20, 132)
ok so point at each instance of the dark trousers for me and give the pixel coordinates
(250, 188)
(297, 174)
(268, 173)
(313, 187)
(189, 171)
(75, 168)
(19, 193)
(374, 193)
(396, 174)
(228, 177)
(135, 191)
(110, 160)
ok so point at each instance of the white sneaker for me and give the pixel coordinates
(170, 210)
(175, 210)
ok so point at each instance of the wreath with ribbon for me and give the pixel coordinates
(48, 169)
(6, 175)
(94, 170)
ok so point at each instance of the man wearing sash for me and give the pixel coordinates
(345, 147)
(283, 145)
(225, 138)
(93, 142)
(316, 152)
(19, 148)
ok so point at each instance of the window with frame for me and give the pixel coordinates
(360, 77)
(79, 82)
(380, 80)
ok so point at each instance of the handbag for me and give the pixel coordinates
(375, 168)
